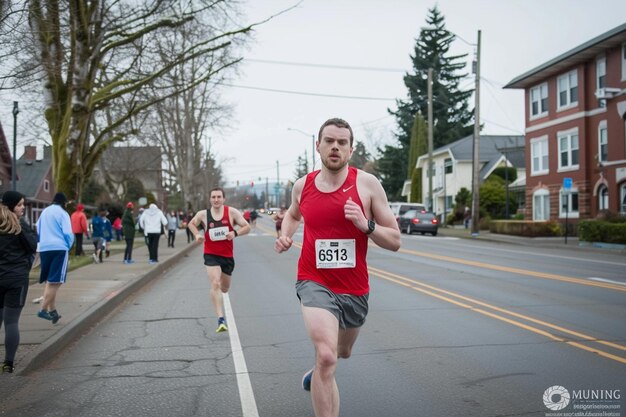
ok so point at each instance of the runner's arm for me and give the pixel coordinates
(244, 227)
(193, 225)
(292, 219)
(386, 233)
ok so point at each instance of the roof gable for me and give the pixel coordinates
(493, 149)
(31, 174)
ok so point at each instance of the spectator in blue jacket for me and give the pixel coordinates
(54, 229)
(101, 234)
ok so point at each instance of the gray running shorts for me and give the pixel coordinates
(350, 310)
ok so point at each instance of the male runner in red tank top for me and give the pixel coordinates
(342, 208)
(218, 238)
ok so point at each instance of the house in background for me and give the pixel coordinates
(6, 161)
(452, 166)
(575, 132)
(34, 180)
(143, 163)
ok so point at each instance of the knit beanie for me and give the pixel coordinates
(11, 198)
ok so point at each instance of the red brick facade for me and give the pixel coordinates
(570, 103)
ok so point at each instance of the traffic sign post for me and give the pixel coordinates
(567, 189)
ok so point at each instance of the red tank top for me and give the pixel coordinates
(324, 258)
(215, 242)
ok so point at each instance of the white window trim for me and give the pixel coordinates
(622, 196)
(603, 190)
(600, 64)
(541, 193)
(570, 104)
(570, 214)
(530, 101)
(46, 185)
(601, 126)
(570, 167)
(545, 170)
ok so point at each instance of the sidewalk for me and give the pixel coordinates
(544, 242)
(91, 292)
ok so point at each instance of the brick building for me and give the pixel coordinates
(575, 107)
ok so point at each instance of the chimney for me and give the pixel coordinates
(30, 153)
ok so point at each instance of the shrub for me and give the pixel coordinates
(526, 228)
(609, 231)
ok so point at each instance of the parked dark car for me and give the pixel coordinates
(419, 221)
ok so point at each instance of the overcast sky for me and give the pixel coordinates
(517, 35)
(359, 51)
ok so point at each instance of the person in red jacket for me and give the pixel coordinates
(342, 207)
(79, 228)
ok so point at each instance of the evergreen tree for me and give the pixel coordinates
(302, 167)
(419, 142)
(418, 146)
(416, 186)
(452, 117)
(392, 170)
(360, 156)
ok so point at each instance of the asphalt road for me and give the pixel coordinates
(456, 328)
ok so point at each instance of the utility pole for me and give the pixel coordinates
(277, 187)
(312, 145)
(16, 110)
(476, 157)
(266, 203)
(431, 207)
(312, 153)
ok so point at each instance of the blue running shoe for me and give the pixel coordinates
(306, 380)
(43, 314)
(55, 316)
(221, 325)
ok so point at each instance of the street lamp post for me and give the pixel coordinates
(16, 110)
(312, 145)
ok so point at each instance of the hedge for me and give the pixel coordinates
(526, 228)
(602, 231)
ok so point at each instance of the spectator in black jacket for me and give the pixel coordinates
(128, 229)
(18, 244)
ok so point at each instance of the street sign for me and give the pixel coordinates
(567, 183)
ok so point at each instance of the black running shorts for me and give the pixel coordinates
(227, 264)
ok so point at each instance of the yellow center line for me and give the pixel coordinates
(437, 293)
(516, 270)
(433, 292)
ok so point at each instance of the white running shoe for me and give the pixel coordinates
(37, 300)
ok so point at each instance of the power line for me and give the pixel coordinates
(305, 93)
(340, 67)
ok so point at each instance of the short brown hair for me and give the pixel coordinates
(336, 121)
(218, 189)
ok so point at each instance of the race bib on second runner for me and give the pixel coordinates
(335, 253)
(218, 233)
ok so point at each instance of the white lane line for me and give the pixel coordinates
(246, 395)
(610, 281)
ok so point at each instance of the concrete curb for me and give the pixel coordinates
(74, 330)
